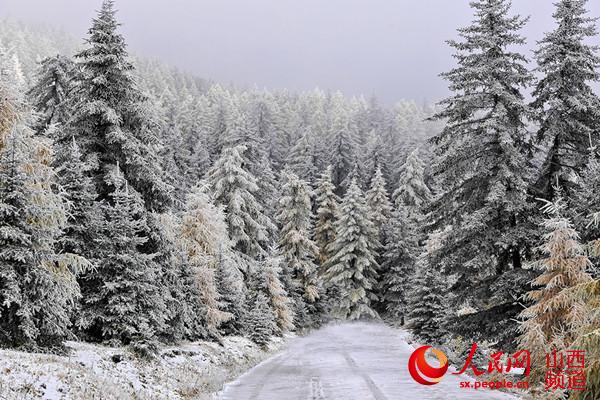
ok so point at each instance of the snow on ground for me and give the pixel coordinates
(349, 361)
(189, 371)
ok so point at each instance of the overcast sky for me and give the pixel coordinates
(393, 49)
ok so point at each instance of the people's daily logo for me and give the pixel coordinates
(422, 371)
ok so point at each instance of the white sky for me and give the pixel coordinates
(391, 48)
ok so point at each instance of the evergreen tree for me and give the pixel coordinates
(378, 201)
(121, 298)
(295, 246)
(242, 131)
(260, 320)
(180, 316)
(327, 205)
(203, 237)
(297, 249)
(113, 122)
(352, 267)
(548, 322)
(276, 294)
(342, 148)
(80, 233)
(585, 200)
(236, 189)
(397, 267)
(50, 94)
(378, 155)
(481, 170)
(425, 302)
(38, 286)
(302, 159)
(412, 191)
(567, 108)
(232, 290)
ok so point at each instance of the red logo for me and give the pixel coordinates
(424, 373)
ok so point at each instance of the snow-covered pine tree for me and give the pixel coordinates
(297, 250)
(276, 294)
(342, 147)
(269, 194)
(378, 155)
(412, 191)
(39, 289)
(50, 93)
(397, 266)
(175, 156)
(80, 233)
(260, 320)
(567, 108)
(585, 200)
(378, 201)
(302, 158)
(121, 297)
(481, 170)
(425, 300)
(555, 310)
(182, 322)
(327, 205)
(232, 291)
(203, 238)
(235, 189)
(352, 267)
(242, 130)
(356, 173)
(113, 121)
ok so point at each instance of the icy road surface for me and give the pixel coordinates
(351, 361)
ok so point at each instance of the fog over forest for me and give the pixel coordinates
(391, 49)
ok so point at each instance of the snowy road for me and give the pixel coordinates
(352, 361)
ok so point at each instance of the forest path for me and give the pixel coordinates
(349, 361)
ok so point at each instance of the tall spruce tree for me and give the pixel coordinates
(297, 250)
(425, 301)
(49, 96)
(378, 201)
(80, 233)
(412, 191)
(236, 189)
(397, 265)
(278, 298)
(342, 147)
(481, 170)
(203, 238)
(38, 286)
(302, 158)
(232, 290)
(327, 205)
(122, 298)
(352, 267)
(567, 108)
(113, 121)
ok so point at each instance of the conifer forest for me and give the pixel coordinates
(149, 215)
